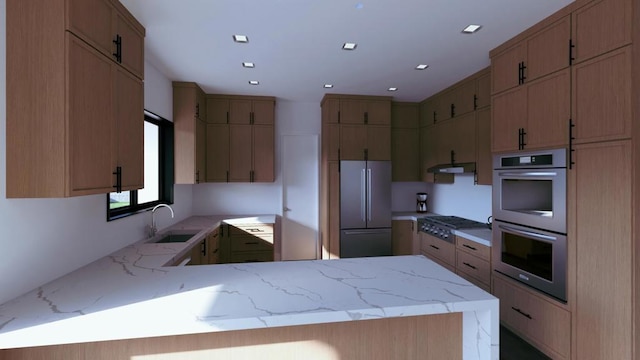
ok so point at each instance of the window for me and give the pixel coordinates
(158, 172)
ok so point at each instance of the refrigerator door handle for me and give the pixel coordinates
(368, 194)
(363, 195)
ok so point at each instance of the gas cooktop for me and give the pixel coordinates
(442, 226)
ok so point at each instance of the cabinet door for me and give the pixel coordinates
(548, 50)
(402, 236)
(463, 138)
(185, 129)
(509, 111)
(199, 253)
(505, 72)
(483, 91)
(444, 141)
(353, 141)
(602, 97)
(331, 111)
(484, 161)
(442, 106)
(463, 98)
(201, 105)
(263, 153)
(217, 153)
(427, 109)
(548, 112)
(240, 111)
(201, 150)
(602, 180)
(333, 240)
(378, 112)
(601, 26)
(240, 150)
(263, 112)
(132, 46)
(129, 117)
(405, 154)
(213, 247)
(91, 20)
(331, 141)
(378, 142)
(352, 111)
(90, 122)
(217, 111)
(427, 153)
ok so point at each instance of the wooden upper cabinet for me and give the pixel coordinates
(484, 161)
(352, 111)
(240, 112)
(602, 97)
(378, 143)
(548, 50)
(201, 105)
(217, 152)
(129, 116)
(365, 111)
(353, 141)
(104, 24)
(427, 107)
(463, 98)
(240, 151)
(189, 135)
(548, 111)
(509, 111)
(601, 26)
(330, 111)
(263, 150)
(217, 110)
(263, 112)
(505, 68)
(405, 150)
(463, 138)
(378, 112)
(483, 91)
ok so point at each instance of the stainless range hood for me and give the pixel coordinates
(453, 168)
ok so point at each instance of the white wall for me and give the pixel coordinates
(403, 195)
(461, 198)
(42, 239)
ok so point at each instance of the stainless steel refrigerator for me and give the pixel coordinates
(365, 208)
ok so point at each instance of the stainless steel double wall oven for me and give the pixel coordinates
(530, 219)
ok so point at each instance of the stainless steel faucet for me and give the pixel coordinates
(153, 229)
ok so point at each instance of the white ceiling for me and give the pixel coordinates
(296, 44)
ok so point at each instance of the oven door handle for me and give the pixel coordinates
(528, 173)
(528, 233)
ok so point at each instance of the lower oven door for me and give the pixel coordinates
(534, 257)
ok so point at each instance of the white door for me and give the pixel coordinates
(300, 196)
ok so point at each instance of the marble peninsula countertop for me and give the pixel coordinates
(131, 294)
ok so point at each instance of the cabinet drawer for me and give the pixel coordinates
(439, 248)
(474, 281)
(473, 266)
(472, 247)
(251, 243)
(251, 229)
(535, 318)
(251, 256)
(439, 262)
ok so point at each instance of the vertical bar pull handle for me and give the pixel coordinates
(363, 194)
(368, 194)
(118, 174)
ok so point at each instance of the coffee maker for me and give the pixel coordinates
(421, 202)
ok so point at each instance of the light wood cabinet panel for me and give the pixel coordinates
(484, 160)
(240, 111)
(263, 112)
(378, 112)
(199, 253)
(508, 114)
(443, 250)
(427, 109)
(427, 153)
(131, 41)
(403, 234)
(505, 72)
(240, 153)
(442, 106)
(217, 110)
(602, 97)
(352, 111)
(91, 124)
(333, 211)
(378, 143)
(548, 111)
(91, 21)
(405, 115)
(463, 98)
(476, 249)
(353, 141)
(483, 91)
(405, 154)
(473, 266)
(463, 138)
(331, 141)
(548, 49)
(129, 115)
(331, 111)
(474, 281)
(263, 154)
(189, 135)
(213, 247)
(602, 179)
(601, 26)
(217, 153)
(365, 111)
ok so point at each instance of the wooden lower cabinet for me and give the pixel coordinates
(537, 319)
(404, 237)
(248, 243)
(438, 250)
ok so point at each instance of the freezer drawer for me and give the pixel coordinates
(365, 242)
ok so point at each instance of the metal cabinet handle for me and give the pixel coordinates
(521, 313)
(469, 265)
(469, 247)
(435, 247)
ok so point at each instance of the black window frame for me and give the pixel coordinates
(165, 169)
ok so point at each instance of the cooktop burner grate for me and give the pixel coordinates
(454, 222)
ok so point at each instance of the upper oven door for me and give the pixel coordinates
(531, 197)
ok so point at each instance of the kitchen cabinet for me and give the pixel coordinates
(456, 101)
(199, 253)
(427, 108)
(533, 116)
(538, 52)
(331, 130)
(603, 304)
(542, 322)
(189, 133)
(405, 237)
(483, 90)
(107, 26)
(438, 250)
(240, 138)
(213, 246)
(602, 100)
(599, 27)
(370, 111)
(433, 153)
(484, 159)
(405, 151)
(365, 128)
(248, 243)
(68, 138)
(473, 261)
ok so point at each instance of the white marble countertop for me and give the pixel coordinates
(130, 294)
(481, 236)
(409, 215)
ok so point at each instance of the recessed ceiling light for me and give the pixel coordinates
(254, 82)
(471, 29)
(392, 89)
(349, 46)
(422, 67)
(248, 64)
(240, 38)
(328, 86)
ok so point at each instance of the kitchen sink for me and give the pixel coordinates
(173, 237)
